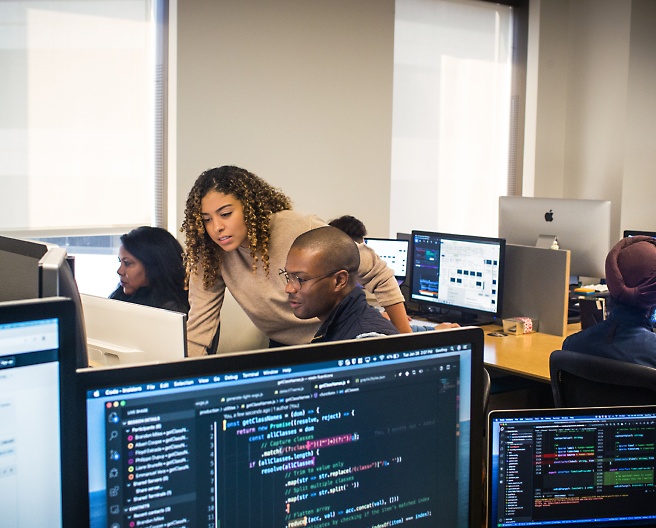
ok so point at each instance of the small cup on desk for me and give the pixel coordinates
(520, 325)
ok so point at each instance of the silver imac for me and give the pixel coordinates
(580, 226)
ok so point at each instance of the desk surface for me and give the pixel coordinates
(526, 355)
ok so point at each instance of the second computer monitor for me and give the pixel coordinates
(458, 277)
(633, 232)
(123, 333)
(394, 252)
(581, 226)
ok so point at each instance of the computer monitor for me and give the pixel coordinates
(19, 268)
(31, 270)
(633, 232)
(36, 337)
(394, 252)
(123, 333)
(584, 467)
(354, 433)
(457, 278)
(580, 226)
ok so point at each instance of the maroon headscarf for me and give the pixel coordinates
(631, 271)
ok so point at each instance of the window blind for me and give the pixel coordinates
(77, 116)
(451, 115)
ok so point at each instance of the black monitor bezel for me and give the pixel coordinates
(89, 379)
(450, 307)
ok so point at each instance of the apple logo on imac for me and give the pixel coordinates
(548, 216)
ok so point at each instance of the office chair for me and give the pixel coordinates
(582, 380)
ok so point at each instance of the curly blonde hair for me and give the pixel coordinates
(259, 201)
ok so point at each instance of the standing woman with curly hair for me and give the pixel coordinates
(238, 232)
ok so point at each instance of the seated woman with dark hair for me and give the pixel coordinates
(151, 270)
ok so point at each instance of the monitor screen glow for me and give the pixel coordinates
(34, 336)
(356, 432)
(393, 251)
(458, 273)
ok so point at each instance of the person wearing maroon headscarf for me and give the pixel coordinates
(627, 333)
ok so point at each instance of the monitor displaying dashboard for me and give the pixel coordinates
(369, 432)
(580, 226)
(394, 252)
(457, 278)
(30, 269)
(36, 338)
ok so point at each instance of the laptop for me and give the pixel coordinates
(370, 432)
(37, 339)
(585, 467)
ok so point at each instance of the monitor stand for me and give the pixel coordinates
(462, 318)
(573, 307)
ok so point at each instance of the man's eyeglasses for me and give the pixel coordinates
(297, 282)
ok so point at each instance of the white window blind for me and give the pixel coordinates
(451, 115)
(77, 115)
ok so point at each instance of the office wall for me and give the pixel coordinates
(639, 181)
(299, 92)
(594, 106)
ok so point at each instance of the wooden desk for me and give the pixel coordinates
(526, 355)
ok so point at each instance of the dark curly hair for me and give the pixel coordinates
(351, 226)
(259, 200)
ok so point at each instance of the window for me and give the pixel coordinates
(81, 139)
(451, 115)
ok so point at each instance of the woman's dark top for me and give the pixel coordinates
(147, 296)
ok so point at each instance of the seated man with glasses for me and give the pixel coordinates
(320, 279)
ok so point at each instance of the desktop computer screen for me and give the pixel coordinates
(457, 278)
(36, 338)
(585, 467)
(370, 432)
(394, 252)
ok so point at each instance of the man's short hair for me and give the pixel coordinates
(337, 249)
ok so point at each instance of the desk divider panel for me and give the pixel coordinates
(536, 285)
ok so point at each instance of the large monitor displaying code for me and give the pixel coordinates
(373, 435)
(589, 467)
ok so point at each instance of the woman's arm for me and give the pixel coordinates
(203, 320)
(399, 317)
